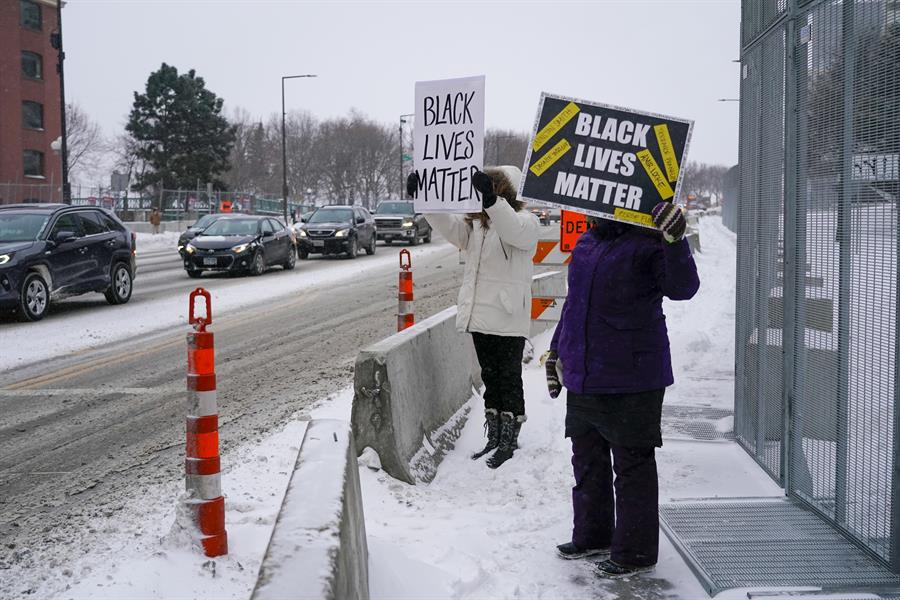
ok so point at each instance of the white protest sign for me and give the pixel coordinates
(449, 144)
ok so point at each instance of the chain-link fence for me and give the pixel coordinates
(816, 335)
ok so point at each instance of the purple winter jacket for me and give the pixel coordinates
(612, 335)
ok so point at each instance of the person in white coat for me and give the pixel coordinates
(494, 303)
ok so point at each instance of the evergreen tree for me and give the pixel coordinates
(180, 132)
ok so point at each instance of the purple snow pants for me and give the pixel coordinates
(628, 523)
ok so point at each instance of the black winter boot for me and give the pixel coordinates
(492, 430)
(509, 438)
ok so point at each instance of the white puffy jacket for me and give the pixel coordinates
(495, 296)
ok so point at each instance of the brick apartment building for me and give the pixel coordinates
(29, 102)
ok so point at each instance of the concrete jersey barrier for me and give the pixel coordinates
(409, 393)
(318, 547)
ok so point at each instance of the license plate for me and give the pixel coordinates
(210, 260)
(318, 244)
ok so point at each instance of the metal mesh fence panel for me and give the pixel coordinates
(757, 15)
(760, 304)
(843, 450)
(827, 286)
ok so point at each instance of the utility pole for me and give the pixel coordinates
(402, 180)
(56, 41)
(284, 185)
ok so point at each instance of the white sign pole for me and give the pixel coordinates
(449, 144)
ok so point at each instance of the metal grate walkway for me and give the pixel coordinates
(759, 542)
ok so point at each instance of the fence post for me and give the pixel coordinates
(202, 466)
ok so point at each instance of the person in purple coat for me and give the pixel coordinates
(611, 349)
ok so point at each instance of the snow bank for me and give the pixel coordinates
(128, 556)
(150, 242)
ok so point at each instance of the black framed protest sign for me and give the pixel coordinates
(603, 160)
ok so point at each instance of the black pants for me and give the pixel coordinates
(500, 358)
(616, 434)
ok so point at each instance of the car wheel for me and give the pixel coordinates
(370, 250)
(195, 274)
(415, 239)
(119, 291)
(428, 237)
(352, 248)
(303, 254)
(258, 267)
(34, 298)
(291, 261)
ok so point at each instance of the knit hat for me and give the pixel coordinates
(508, 175)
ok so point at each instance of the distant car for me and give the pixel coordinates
(52, 251)
(337, 229)
(398, 221)
(541, 212)
(240, 244)
(196, 229)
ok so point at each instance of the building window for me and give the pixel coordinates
(32, 115)
(32, 65)
(30, 15)
(34, 163)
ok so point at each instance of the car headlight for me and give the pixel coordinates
(240, 248)
(189, 248)
(408, 223)
(342, 233)
(5, 258)
(302, 233)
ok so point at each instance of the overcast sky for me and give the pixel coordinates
(667, 56)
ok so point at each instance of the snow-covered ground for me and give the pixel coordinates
(154, 242)
(472, 532)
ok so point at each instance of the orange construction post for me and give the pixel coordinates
(202, 468)
(405, 317)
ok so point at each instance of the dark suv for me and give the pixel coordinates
(51, 251)
(399, 221)
(337, 229)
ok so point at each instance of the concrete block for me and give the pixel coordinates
(409, 392)
(318, 547)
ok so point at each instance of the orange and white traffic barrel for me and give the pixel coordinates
(405, 317)
(202, 466)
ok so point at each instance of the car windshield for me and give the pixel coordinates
(21, 227)
(232, 227)
(395, 208)
(332, 215)
(205, 221)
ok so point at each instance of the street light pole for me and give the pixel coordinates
(284, 185)
(402, 182)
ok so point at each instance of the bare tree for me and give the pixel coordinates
(85, 143)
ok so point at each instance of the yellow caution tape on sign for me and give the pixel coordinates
(552, 155)
(623, 214)
(668, 151)
(656, 174)
(556, 123)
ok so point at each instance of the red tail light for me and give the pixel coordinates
(133, 243)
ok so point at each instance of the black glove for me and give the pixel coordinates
(412, 184)
(553, 384)
(485, 186)
(669, 218)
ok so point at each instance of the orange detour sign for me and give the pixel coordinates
(571, 226)
(202, 479)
